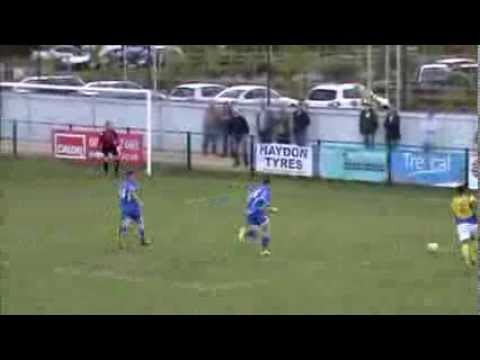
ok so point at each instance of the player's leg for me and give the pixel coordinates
(474, 244)
(116, 161)
(141, 231)
(266, 238)
(123, 231)
(464, 236)
(105, 161)
(248, 230)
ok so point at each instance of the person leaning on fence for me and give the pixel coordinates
(211, 124)
(283, 126)
(368, 124)
(226, 118)
(392, 128)
(301, 122)
(239, 131)
(265, 124)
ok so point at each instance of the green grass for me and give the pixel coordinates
(338, 248)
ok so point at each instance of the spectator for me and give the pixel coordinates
(283, 126)
(392, 128)
(239, 131)
(211, 128)
(301, 122)
(226, 118)
(368, 125)
(265, 124)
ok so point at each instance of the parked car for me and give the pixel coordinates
(433, 74)
(343, 96)
(77, 60)
(455, 62)
(90, 90)
(69, 55)
(196, 92)
(48, 52)
(253, 94)
(439, 72)
(134, 55)
(59, 80)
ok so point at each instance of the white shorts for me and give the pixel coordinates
(467, 231)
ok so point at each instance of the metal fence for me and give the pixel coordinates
(332, 160)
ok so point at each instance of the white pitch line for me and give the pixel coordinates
(222, 286)
(107, 274)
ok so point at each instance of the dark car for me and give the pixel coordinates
(132, 55)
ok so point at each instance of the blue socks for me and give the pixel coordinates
(123, 230)
(251, 234)
(265, 242)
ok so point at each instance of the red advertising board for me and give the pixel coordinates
(70, 146)
(83, 145)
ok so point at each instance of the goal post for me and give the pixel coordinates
(40, 106)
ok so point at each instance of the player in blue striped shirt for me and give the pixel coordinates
(257, 216)
(131, 209)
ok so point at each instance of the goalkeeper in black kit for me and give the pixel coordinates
(108, 143)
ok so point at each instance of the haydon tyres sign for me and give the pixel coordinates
(353, 162)
(283, 159)
(440, 168)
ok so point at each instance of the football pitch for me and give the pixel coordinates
(337, 248)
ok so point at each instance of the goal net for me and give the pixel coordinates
(65, 121)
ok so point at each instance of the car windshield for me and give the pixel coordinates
(99, 86)
(434, 75)
(323, 95)
(211, 91)
(127, 85)
(232, 94)
(183, 92)
(355, 93)
(67, 82)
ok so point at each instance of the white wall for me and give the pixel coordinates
(453, 130)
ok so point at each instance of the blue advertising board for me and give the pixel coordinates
(353, 162)
(441, 168)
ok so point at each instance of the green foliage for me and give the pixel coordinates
(339, 71)
(461, 80)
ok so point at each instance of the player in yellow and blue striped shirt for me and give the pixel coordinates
(464, 210)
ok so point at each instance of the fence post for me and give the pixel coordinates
(467, 167)
(15, 138)
(389, 163)
(316, 159)
(189, 150)
(252, 156)
(1, 120)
